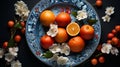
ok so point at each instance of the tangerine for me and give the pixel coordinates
(73, 29)
(46, 41)
(61, 36)
(76, 44)
(63, 19)
(87, 32)
(47, 17)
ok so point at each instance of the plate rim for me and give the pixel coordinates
(45, 8)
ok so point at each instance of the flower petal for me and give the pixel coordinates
(62, 60)
(106, 48)
(55, 48)
(53, 30)
(65, 49)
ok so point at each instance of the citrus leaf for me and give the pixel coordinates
(74, 13)
(18, 25)
(48, 54)
(11, 43)
(92, 21)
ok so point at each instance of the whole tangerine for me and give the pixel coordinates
(87, 32)
(63, 19)
(76, 44)
(61, 36)
(47, 17)
(46, 41)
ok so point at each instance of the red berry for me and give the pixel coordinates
(110, 35)
(99, 47)
(101, 59)
(10, 23)
(115, 40)
(23, 30)
(98, 3)
(22, 24)
(114, 31)
(109, 41)
(17, 38)
(94, 61)
(117, 28)
(5, 44)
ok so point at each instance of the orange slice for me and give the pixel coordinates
(73, 29)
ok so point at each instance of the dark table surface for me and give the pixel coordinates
(25, 55)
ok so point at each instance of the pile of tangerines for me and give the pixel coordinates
(68, 32)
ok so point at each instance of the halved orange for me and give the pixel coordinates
(73, 29)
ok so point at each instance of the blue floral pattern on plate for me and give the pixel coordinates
(34, 29)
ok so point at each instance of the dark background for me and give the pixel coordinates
(25, 55)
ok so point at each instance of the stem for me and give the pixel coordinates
(13, 31)
(98, 54)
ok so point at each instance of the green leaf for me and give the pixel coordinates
(74, 13)
(18, 25)
(92, 21)
(48, 54)
(11, 43)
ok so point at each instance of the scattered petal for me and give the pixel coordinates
(1, 52)
(114, 51)
(9, 57)
(16, 64)
(53, 30)
(55, 48)
(109, 10)
(106, 48)
(82, 14)
(13, 50)
(65, 49)
(62, 60)
(106, 18)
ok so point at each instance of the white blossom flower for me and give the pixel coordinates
(114, 51)
(65, 49)
(62, 60)
(53, 30)
(54, 57)
(21, 10)
(9, 57)
(1, 52)
(82, 14)
(55, 48)
(109, 10)
(13, 50)
(106, 48)
(106, 18)
(16, 64)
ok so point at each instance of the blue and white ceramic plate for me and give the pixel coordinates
(35, 30)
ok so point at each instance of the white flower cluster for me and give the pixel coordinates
(53, 30)
(108, 48)
(10, 56)
(81, 14)
(21, 10)
(109, 11)
(60, 48)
